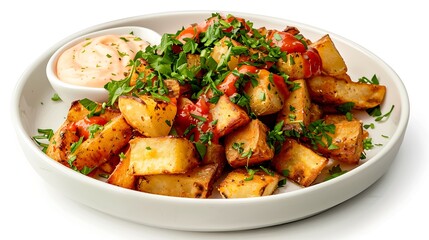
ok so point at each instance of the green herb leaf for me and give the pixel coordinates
(56, 97)
(334, 172)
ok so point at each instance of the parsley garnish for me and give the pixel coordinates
(373, 80)
(44, 134)
(56, 97)
(93, 129)
(316, 133)
(334, 172)
(276, 137)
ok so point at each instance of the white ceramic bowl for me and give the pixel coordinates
(70, 92)
(210, 214)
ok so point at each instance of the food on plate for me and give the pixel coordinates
(239, 183)
(96, 61)
(222, 107)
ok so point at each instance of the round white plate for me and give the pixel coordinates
(34, 109)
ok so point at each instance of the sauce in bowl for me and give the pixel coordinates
(80, 68)
(96, 61)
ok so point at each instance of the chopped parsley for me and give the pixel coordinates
(44, 134)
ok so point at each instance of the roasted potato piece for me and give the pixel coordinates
(248, 145)
(193, 60)
(60, 143)
(228, 115)
(151, 118)
(77, 112)
(173, 86)
(162, 155)
(221, 51)
(142, 73)
(328, 90)
(122, 176)
(265, 98)
(240, 184)
(302, 163)
(215, 153)
(109, 166)
(332, 62)
(348, 138)
(296, 109)
(293, 66)
(196, 183)
(316, 112)
(109, 141)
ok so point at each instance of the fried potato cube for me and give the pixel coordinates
(296, 109)
(109, 141)
(248, 145)
(60, 143)
(105, 169)
(229, 116)
(193, 60)
(121, 175)
(348, 139)
(302, 163)
(151, 118)
(333, 63)
(221, 51)
(196, 183)
(331, 91)
(293, 66)
(78, 112)
(162, 155)
(215, 153)
(265, 98)
(240, 184)
(316, 112)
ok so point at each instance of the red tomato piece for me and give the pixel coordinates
(228, 84)
(286, 42)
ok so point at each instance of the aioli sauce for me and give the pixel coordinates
(96, 61)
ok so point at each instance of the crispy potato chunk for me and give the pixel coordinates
(196, 183)
(295, 68)
(248, 145)
(60, 143)
(332, 62)
(239, 184)
(302, 163)
(162, 155)
(151, 118)
(77, 112)
(296, 109)
(122, 176)
(328, 90)
(348, 138)
(221, 51)
(228, 115)
(265, 98)
(215, 153)
(105, 143)
(316, 112)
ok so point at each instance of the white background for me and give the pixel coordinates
(392, 207)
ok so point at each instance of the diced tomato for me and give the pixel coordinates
(241, 20)
(203, 106)
(202, 27)
(191, 32)
(81, 126)
(314, 62)
(228, 84)
(281, 85)
(189, 113)
(286, 42)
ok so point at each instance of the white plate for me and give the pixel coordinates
(33, 109)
